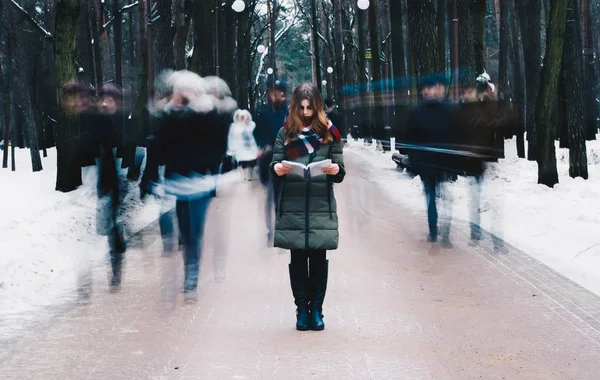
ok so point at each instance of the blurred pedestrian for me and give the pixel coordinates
(306, 213)
(242, 144)
(269, 119)
(104, 138)
(431, 126)
(191, 142)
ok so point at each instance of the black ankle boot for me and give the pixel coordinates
(299, 283)
(302, 318)
(316, 319)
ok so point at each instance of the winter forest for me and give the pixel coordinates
(368, 56)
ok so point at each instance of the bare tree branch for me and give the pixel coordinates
(30, 18)
(126, 8)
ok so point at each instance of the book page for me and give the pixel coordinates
(316, 168)
(295, 167)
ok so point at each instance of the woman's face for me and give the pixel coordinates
(306, 110)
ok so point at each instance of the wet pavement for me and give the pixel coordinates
(397, 307)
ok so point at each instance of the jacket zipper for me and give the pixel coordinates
(306, 215)
(306, 218)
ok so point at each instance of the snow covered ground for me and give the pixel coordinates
(47, 236)
(559, 226)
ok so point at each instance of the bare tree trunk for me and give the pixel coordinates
(164, 36)
(589, 96)
(339, 59)
(572, 66)
(273, 29)
(182, 25)
(555, 37)
(518, 87)
(22, 97)
(478, 9)
(441, 28)
(315, 37)
(135, 126)
(504, 90)
(530, 14)
(362, 77)
(398, 56)
(94, 21)
(118, 41)
(423, 30)
(6, 92)
(68, 176)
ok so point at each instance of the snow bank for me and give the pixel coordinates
(47, 236)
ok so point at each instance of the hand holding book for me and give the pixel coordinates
(313, 169)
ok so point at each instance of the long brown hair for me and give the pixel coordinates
(293, 123)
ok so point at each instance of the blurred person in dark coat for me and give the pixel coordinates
(334, 114)
(269, 120)
(482, 135)
(103, 139)
(431, 127)
(191, 142)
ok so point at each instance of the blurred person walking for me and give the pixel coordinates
(306, 213)
(191, 142)
(269, 119)
(242, 144)
(102, 140)
(431, 126)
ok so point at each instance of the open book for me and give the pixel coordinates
(313, 169)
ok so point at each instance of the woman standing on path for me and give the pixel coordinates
(306, 218)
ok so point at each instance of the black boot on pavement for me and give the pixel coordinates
(318, 283)
(299, 282)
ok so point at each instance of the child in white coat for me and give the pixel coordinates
(242, 144)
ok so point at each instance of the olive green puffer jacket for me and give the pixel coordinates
(306, 211)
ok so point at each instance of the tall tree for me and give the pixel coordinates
(572, 66)
(315, 37)
(182, 28)
(591, 107)
(6, 88)
(555, 38)
(503, 90)
(339, 58)
(135, 127)
(23, 95)
(164, 36)
(68, 176)
(441, 28)
(530, 18)
(95, 21)
(423, 31)
(398, 56)
(517, 79)
(118, 42)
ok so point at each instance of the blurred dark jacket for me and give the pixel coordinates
(432, 125)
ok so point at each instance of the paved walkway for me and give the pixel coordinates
(396, 308)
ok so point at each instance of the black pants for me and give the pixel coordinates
(308, 272)
(303, 257)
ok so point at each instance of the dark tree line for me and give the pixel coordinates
(532, 49)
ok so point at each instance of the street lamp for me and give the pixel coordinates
(238, 6)
(261, 49)
(363, 4)
(330, 70)
(324, 82)
(269, 71)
